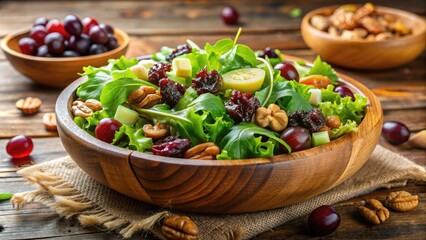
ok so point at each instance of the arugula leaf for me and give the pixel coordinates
(201, 121)
(118, 74)
(345, 109)
(247, 140)
(5, 196)
(323, 68)
(134, 138)
(96, 80)
(116, 92)
(285, 96)
(189, 96)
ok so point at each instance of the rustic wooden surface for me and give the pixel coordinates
(402, 92)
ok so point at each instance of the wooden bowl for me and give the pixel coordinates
(57, 72)
(364, 54)
(225, 186)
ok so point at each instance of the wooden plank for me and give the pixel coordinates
(174, 17)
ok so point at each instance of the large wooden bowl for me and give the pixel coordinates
(226, 186)
(53, 71)
(363, 54)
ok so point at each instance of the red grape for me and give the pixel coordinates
(323, 220)
(41, 21)
(80, 44)
(38, 33)
(43, 51)
(28, 46)
(112, 42)
(73, 25)
(229, 15)
(88, 23)
(70, 53)
(55, 43)
(98, 35)
(395, 132)
(107, 28)
(19, 146)
(287, 71)
(297, 138)
(106, 129)
(54, 25)
(344, 92)
(97, 49)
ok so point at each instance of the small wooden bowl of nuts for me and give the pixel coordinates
(364, 37)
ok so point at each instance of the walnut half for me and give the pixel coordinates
(179, 227)
(272, 117)
(402, 201)
(203, 151)
(374, 211)
(144, 97)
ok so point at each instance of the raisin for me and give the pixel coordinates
(158, 71)
(313, 119)
(180, 50)
(171, 91)
(207, 82)
(171, 146)
(242, 106)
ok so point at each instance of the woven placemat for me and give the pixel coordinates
(64, 187)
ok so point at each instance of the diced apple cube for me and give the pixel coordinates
(126, 115)
(316, 96)
(140, 71)
(147, 63)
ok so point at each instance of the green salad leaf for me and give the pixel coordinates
(345, 109)
(349, 126)
(115, 92)
(285, 95)
(89, 124)
(96, 80)
(122, 63)
(162, 54)
(201, 121)
(133, 138)
(247, 140)
(323, 68)
(5, 196)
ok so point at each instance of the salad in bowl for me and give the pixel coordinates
(224, 101)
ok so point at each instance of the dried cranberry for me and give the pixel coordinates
(180, 50)
(241, 106)
(171, 146)
(171, 91)
(158, 71)
(313, 119)
(207, 82)
(270, 52)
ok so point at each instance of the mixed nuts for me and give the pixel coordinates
(354, 23)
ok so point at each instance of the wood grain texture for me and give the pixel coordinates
(363, 54)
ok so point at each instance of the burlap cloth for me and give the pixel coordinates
(68, 190)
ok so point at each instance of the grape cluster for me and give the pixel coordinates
(171, 146)
(171, 91)
(206, 82)
(158, 72)
(242, 106)
(70, 38)
(312, 120)
(180, 50)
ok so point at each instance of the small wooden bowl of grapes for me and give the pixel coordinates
(218, 128)
(54, 51)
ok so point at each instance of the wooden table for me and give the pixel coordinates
(402, 92)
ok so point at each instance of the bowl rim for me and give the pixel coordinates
(63, 115)
(5, 47)
(306, 23)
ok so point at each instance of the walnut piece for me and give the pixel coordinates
(273, 117)
(144, 97)
(177, 227)
(402, 201)
(157, 131)
(357, 33)
(93, 104)
(49, 121)
(372, 25)
(344, 20)
(374, 211)
(29, 105)
(203, 151)
(384, 36)
(79, 109)
(367, 10)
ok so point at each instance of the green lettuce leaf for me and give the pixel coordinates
(5, 196)
(349, 126)
(323, 68)
(247, 140)
(89, 124)
(122, 63)
(328, 95)
(345, 109)
(162, 54)
(201, 121)
(96, 80)
(284, 94)
(198, 60)
(133, 138)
